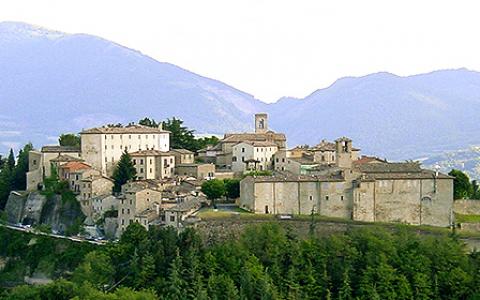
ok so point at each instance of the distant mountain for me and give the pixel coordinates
(466, 160)
(388, 115)
(52, 82)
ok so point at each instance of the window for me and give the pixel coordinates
(276, 159)
(141, 170)
(121, 136)
(311, 198)
(341, 198)
(128, 210)
(105, 136)
(243, 159)
(243, 149)
(234, 158)
(146, 136)
(111, 146)
(141, 161)
(283, 159)
(134, 162)
(151, 170)
(171, 160)
(112, 136)
(129, 136)
(138, 136)
(130, 221)
(123, 222)
(326, 197)
(172, 218)
(153, 136)
(106, 147)
(151, 161)
(106, 159)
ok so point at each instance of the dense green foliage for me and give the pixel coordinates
(13, 173)
(462, 187)
(269, 262)
(124, 171)
(69, 139)
(28, 253)
(213, 189)
(232, 188)
(181, 137)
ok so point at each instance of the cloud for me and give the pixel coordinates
(11, 145)
(9, 133)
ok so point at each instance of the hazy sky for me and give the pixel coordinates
(276, 48)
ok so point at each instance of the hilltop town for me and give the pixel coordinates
(330, 179)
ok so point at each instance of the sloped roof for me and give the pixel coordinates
(242, 137)
(368, 159)
(66, 158)
(135, 129)
(259, 143)
(59, 149)
(182, 151)
(73, 166)
(151, 153)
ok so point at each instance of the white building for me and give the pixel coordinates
(253, 156)
(103, 146)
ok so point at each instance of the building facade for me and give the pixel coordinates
(103, 146)
(153, 164)
(370, 190)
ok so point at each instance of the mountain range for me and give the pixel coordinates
(52, 82)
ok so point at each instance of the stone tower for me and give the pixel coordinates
(261, 123)
(343, 152)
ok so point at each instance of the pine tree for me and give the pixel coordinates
(6, 184)
(124, 171)
(11, 160)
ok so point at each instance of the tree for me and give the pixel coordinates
(232, 187)
(6, 184)
(96, 268)
(124, 171)
(462, 188)
(11, 160)
(21, 169)
(213, 189)
(206, 141)
(69, 139)
(147, 122)
(181, 137)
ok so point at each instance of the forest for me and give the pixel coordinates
(267, 261)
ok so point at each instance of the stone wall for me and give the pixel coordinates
(467, 207)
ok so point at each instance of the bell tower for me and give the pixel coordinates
(261, 123)
(343, 152)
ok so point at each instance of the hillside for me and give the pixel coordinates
(55, 82)
(52, 82)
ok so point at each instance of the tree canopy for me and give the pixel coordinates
(123, 172)
(266, 261)
(181, 137)
(69, 139)
(213, 189)
(462, 187)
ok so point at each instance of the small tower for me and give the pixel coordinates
(261, 123)
(343, 152)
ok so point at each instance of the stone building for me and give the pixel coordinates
(199, 171)
(102, 204)
(223, 151)
(358, 189)
(301, 159)
(140, 203)
(40, 162)
(103, 146)
(183, 156)
(153, 164)
(73, 172)
(250, 156)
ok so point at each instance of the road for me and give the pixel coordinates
(71, 238)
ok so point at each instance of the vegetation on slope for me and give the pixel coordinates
(268, 262)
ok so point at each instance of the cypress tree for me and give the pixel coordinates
(11, 160)
(21, 169)
(124, 171)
